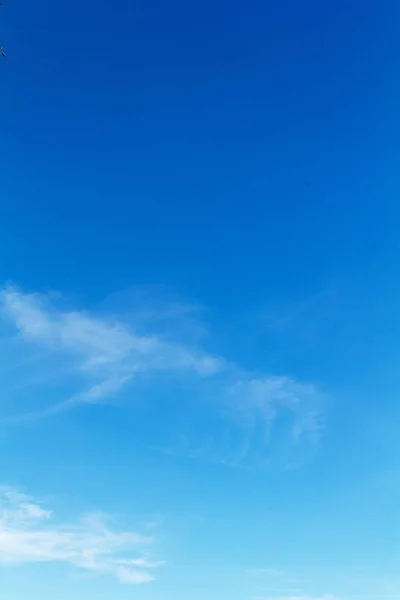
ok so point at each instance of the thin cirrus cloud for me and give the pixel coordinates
(106, 354)
(29, 533)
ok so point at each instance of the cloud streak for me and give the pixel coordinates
(29, 533)
(106, 354)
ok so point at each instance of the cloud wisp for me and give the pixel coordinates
(106, 354)
(29, 533)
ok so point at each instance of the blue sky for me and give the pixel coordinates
(199, 301)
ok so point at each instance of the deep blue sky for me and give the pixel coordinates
(154, 161)
(159, 135)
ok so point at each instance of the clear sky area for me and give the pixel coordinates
(199, 300)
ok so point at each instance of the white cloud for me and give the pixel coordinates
(106, 354)
(106, 351)
(267, 397)
(30, 534)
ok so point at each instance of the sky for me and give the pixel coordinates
(199, 300)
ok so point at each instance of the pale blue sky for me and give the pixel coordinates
(199, 301)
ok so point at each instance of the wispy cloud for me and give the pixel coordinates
(30, 533)
(267, 397)
(107, 353)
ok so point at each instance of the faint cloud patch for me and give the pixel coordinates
(226, 414)
(158, 309)
(106, 351)
(282, 416)
(29, 533)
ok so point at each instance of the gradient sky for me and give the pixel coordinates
(199, 270)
